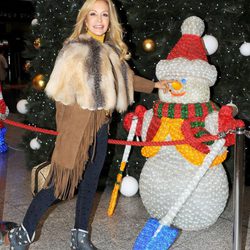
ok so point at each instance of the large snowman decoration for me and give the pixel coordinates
(184, 112)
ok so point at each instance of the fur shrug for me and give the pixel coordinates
(91, 74)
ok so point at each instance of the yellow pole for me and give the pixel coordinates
(113, 199)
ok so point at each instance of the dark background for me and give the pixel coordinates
(15, 19)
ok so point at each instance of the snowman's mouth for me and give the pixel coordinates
(177, 94)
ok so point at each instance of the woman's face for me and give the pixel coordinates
(97, 20)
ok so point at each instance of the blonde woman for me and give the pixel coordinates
(90, 79)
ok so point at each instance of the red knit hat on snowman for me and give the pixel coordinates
(188, 57)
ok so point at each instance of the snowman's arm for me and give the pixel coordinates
(4, 111)
(137, 114)
(223, 121)
(212, 123)
(145, 124)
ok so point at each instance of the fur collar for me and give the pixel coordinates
(92, 75)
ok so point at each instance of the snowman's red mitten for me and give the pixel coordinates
(227, 123)
(139, 113)
(3, 110)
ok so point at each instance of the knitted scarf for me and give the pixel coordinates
(180, 121)
(194, 113)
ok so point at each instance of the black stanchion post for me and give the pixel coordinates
(238, 187)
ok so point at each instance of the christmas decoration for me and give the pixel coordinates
(129, 186)
(159, 234)
(235, 108)
(37, 43)
(114, 195)
(184, 185)
(148, 45)
(4, 112)
(35, 144)
(211, 44)
(245, 49)
(22, 106)
(51, 16)
(34, 22)
(148, 232)
(3, 145)
(38, 82)
(139, 114)
(27, 66)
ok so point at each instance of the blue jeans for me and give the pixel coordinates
(86, 189)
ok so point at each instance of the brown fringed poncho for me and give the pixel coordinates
(87, 80)
(77, 129)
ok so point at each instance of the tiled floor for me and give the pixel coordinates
(116, 233)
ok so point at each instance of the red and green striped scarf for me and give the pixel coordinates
(183, 111)
(193, 114)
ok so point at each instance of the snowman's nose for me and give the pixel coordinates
(176, 85)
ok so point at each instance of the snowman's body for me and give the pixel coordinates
(167, 173)
(184, 183)
(164, 178)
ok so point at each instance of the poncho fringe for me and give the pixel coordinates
(71, 153)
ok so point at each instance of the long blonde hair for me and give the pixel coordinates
(115, 32)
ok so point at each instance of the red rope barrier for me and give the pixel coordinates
(162, 143)
(117, 142)
(29, 127)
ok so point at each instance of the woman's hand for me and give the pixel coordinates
(163, 84)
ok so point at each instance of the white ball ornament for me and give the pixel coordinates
(129, 186)
(245, 49)
(34, 22)
(22, 106)
(35, 144)
(211, 44)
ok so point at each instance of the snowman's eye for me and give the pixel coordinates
(183, 80)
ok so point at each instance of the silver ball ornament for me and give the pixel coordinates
(129, 186)
(35, 144)
(211, 44)
(22, 106)
(34, 22)
(245, 49)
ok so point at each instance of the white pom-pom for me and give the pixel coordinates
(211, 44)
(34, 22)
(245, 49)
(193, 25)
(22, 106)
(35, 144)
(129, 186)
